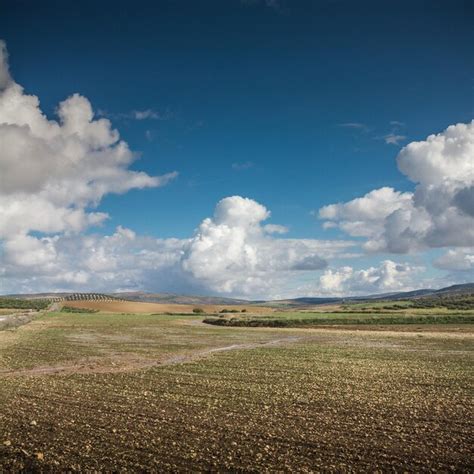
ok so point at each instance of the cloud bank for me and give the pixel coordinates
(230, 253)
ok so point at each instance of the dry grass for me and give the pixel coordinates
(4, 311)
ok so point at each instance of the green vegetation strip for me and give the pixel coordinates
(323, 320)
(16, 303)
(71, 309)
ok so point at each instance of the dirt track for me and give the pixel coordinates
(129, 364)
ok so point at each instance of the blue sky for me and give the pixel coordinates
(293, 104)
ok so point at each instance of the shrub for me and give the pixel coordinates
(72, 309)
(198, 310)
(17, 303)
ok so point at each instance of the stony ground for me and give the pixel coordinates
(144, 392)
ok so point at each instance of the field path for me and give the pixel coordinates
(130, 364)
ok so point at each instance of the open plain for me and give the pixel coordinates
(114, 392)
(140, 307)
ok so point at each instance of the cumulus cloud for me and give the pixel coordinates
(439, 213)
(85, 262)
(52, 172)
(445, 158)
(365, 216)
(388, 276)
(5, 78)
(230, 253)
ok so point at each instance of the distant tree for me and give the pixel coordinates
(198, 310)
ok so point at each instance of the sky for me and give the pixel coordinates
(247, 148)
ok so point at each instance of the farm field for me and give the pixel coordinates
(353, 318)
(140, 307)
(142, 391)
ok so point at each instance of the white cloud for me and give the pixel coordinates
(275, 229)
(5, 78)
(355, 126)
(438, 214)
(243, 166)
(393, 138)
(445, 158)
(456, 259)
(145, 114)
(53, 172)
(388, 276)
(231, 253)
(365, 216)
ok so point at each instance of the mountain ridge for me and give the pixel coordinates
(172, 298)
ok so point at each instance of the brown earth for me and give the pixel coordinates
(220, 399)
(137, 307)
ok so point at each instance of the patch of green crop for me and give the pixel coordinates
(72, 309)
(323, 319)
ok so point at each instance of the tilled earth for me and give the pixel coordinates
(332, 401)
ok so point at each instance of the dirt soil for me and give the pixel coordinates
(146, 393)
(138, 307)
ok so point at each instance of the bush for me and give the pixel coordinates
(318, 321)
(17, 303)
(72, 309)
(198, 310)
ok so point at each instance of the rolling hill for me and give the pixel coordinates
(169, 298)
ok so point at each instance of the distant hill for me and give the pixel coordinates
(454, 290)
(466, 288)
(139, 296)
(170, 298)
